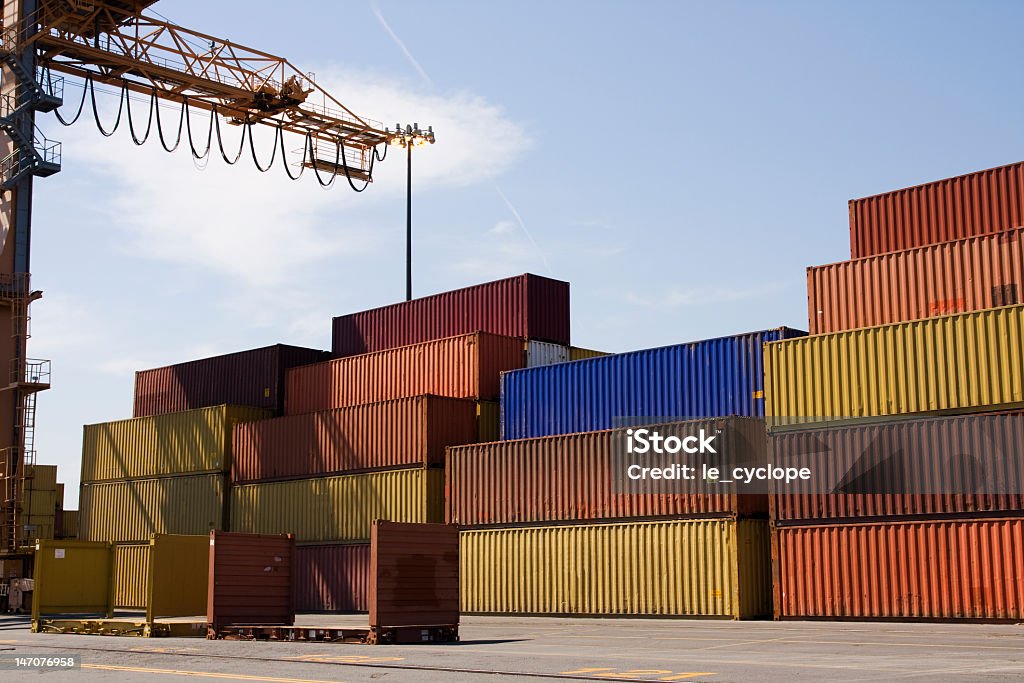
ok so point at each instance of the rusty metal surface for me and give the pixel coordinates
(526, 306)
(249, 378)
(466, 366)
(251, 580)
(332, 578)
(953, 208)
(400, 433)
(966, 569)
(570, 477)
(951, 277)
(415, 575)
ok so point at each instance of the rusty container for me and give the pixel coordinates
(468, 366)
(571, 477)
(247, 378)
(251, 580)
(939, 279)
(404, 432)
(956, 569)
(332, 578)
(414, 570)
(526, 306)
(954, 208)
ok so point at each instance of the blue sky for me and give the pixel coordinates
(679, 163)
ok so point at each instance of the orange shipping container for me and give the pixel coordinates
(966, 569)
(951, 277)
(467, 366)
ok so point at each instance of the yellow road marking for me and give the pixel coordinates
(681, 677)
(202, 674)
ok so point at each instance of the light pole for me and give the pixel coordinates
(409, 137)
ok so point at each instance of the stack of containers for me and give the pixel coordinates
(953, 250)
(364, 435)
(546, 532)
(41, 498)
(166, 469)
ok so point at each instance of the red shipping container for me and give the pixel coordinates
(332, 578)
(402, 433)
(940, 279)
(251, 581)
(570, 477)
(468, 366)
(526, 306)
(964, 569)
(246, 378)
(926, 466)
(951, 209)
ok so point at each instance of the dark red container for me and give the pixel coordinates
(405, 432)
(951, 209)
(332, 578)
(526, 306)
(251, 579)
(246, 378)
(414, 570)
(467, 366)
(931, 466)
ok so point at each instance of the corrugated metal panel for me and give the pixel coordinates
(680, 568)
(526, 306)
(188, 442)
(132, 510)
(72, 577)
(953, 208)
(961, 362)
(41, 477)
(332, 578)
(952, 277)
(461, 367)
(967, 569)
(917, 479)
(577, 353)
(414, 570)
(338, 508)
(247, 378)
(710, 378)
(131, 575)
(69, 524)
(570, 477)
(540, 353)
(251, 579)
(401, 433)
(488, 420)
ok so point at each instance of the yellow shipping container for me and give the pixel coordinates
(132, 510)
(707, 567)
(339, 508)
(131, 575)
(38, 527)
(40, 503)
(488, 421)
(188, 442)
(41, 477)
(955, 363)
(576, 353)
(70, 524)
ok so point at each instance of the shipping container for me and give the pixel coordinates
(405, 432)
(339, 508)
(251, 580)
(716, 568)
(572, 477)
(577, 353)
(332, 578)
(488, 421)
(131, 575)
(189, 442)
(954, 208)
(951, 277)
(957, 363)
(468, 366)
(414, 571)
(964, 569)
(69, 524)
(540, 353)
(710, 378)
(41, 477)
(526, 306)
(927, 466)
(246, 378)
(133, 510)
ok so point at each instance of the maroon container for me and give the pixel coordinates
(526, 306)
(415, 575)
(955, 208)
(401, 433)
(251, 580)
(932, 466)
(246, 378)
(332, 578)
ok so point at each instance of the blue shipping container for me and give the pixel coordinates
(710, 378)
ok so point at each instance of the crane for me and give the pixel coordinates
(114, 43)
